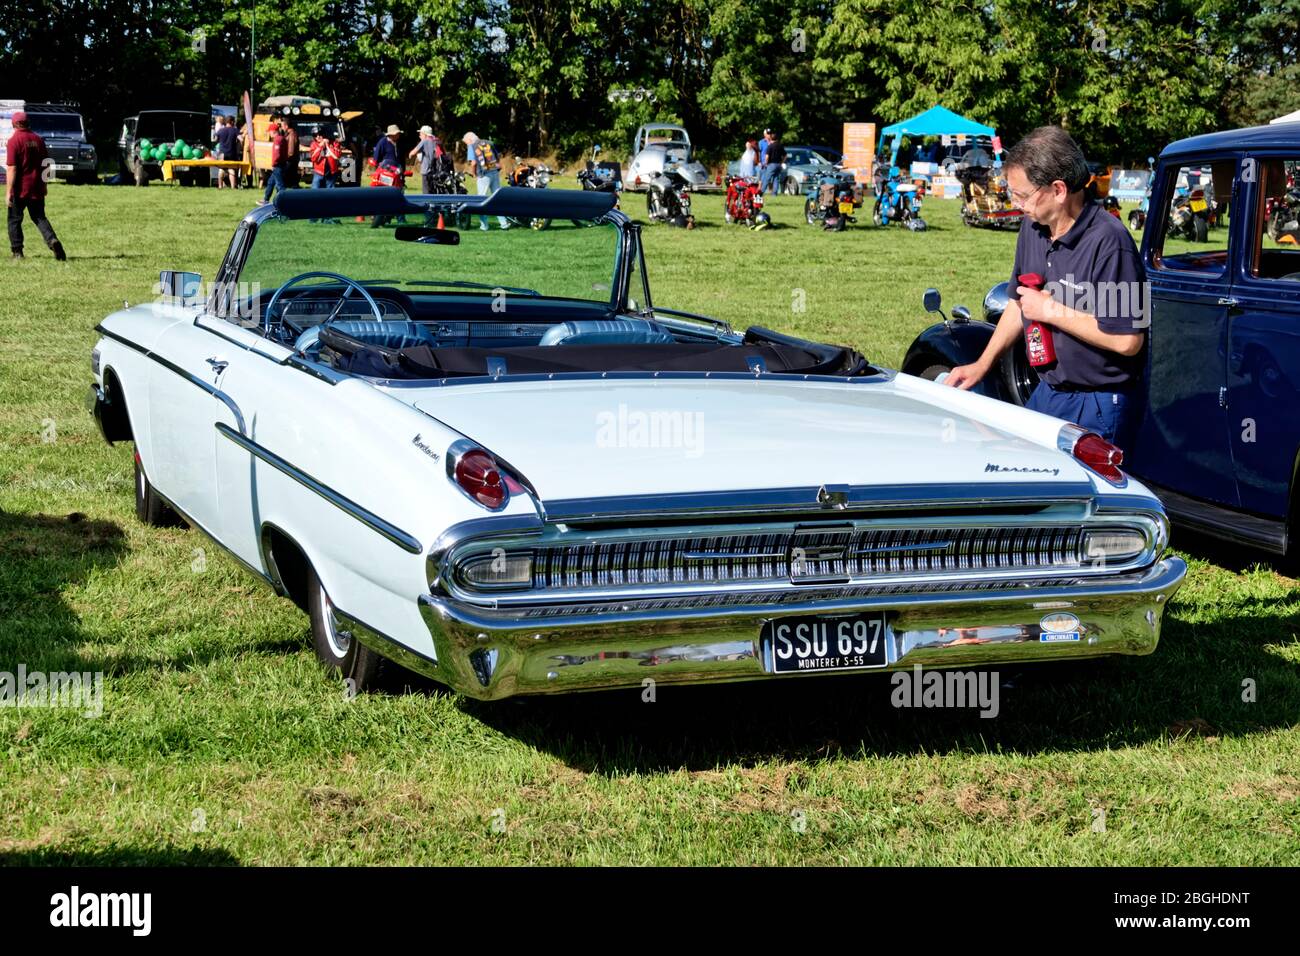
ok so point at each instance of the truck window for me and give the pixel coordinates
(1194, 223)
(1275, 252)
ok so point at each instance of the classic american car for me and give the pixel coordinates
(1220, 440)
(492, 458)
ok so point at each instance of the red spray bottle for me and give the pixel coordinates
(1038, 337)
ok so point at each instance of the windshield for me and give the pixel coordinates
(168, 127)
(562, 260)
(55, 124)
(308, 128)
(799, 156)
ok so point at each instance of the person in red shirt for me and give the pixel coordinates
(25, 187)
(278, 162)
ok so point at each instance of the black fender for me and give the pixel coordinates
(950, 344)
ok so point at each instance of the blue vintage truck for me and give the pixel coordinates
(1220, 440)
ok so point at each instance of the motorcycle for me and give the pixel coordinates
(601, 177)
(832, 201)
(1282, 213)
(897, 201)
(744, 203)
(530, 176)
(451, 183)
(1137, 219)
(986, 199)
(1189, 216)
(668, 198)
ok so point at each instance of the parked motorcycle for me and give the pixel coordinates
(451, 183)
(986, 198)
(744, 203)
(1282, 213)
(897, 201)
(531, 176)
(831, 201)
(668, 198)
(601, 177)
(1137, 219)
(1189, 216)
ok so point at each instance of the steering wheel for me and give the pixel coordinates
(350, 283)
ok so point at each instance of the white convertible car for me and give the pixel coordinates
(491, 458)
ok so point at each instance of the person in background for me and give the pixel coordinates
(228, 149)
(774, 167)
(25, 187)
(290, 174)
(764, 145)
(276, 178)
(486, 168)
(427, 149)
(385, 157)
(749, 159)
(325, 159)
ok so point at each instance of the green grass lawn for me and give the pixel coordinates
(222, 741)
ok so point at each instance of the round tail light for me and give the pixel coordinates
(1100, 455)
(481, 477)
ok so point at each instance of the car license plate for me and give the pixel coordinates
(62, 167)
(1198, 205)
(796, 645)
(846, 208)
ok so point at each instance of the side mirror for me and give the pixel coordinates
(180, 288)
(960, 313)
(931, 300)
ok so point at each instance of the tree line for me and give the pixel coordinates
(555, 76)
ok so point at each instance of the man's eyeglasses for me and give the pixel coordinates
(1020, 200)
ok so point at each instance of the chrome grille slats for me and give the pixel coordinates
(840, 552)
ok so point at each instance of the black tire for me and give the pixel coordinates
(1135, 221)
(932, 372)
(150, 508)
(810, 211)
(141, 174)
(1200, 228)
(340, 652)
(653, 207)
(1018, 377)
(792, 188)
(876, 218)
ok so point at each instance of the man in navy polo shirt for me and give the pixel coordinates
(1094, 302)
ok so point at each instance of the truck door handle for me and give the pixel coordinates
(218, 365)
(1228, 301)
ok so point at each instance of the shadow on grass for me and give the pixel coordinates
(119, 856)
(42, 554)
(1192, 685)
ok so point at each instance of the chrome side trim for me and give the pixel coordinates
(806, 500)
(318, 369)
(385, 646)
(882, 376)
(371, 520)
(173, 367)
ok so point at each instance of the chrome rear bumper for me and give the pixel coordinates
(492, 654)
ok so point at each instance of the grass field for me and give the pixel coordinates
(222, 741)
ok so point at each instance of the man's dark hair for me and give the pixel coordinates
(1048, 154)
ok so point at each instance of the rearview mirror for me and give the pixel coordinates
(427, 234)
(180, 288)
(931, 300)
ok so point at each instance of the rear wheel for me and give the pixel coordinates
(1200, 228)
(932, 372)
(810, 211)
(150, 508)
(338, 650)
(1135, 221)
(875, 214)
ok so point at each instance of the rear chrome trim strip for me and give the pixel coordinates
(371, 520)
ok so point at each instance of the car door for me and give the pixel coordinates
(1184, 442)
(185, 403)
(1264, 344)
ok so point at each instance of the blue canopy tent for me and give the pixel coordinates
(936, 121)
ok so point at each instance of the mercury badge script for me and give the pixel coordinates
(1026, 470)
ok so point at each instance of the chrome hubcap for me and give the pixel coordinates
(339, 640)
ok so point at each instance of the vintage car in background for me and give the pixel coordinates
(659, 147)
(805, 166)
(514, 478)
(1220, 441)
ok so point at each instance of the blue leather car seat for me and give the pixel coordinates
(607, 332)
(388, 335)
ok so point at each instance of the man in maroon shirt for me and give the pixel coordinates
(25, 187)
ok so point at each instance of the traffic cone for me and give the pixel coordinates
(361, 218)
(441, 224)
